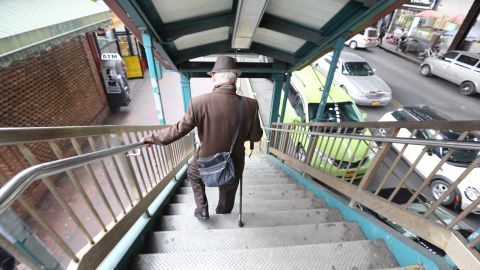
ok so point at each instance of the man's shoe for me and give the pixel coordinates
(202, 215)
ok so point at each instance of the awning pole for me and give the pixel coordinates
(331, 72)
(152, 69)
(286, 86)
(186, 90)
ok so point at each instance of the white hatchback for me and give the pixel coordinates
(467, 190)
(366, 39)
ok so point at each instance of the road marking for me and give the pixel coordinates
(396, 104)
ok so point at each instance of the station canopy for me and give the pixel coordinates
(291, 34)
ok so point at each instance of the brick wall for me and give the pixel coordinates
(56, 87)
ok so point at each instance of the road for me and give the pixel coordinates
(409, 87)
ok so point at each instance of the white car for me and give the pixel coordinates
(467, 190)
(366, 39)
(357, 78)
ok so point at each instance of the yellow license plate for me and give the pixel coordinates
(349, 174)
(375, 103)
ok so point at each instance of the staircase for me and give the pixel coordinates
(286, 227)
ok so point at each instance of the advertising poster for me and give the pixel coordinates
(134, 69)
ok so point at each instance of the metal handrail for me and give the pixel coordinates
(33, 134)
(283, 145)
(450, 125)
(434, 143)
(20, 182)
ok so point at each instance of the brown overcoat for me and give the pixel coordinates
(214, 115)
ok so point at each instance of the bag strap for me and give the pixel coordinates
(239, 121)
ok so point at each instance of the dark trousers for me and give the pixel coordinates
(226, 193)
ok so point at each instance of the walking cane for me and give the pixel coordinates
(240, 221)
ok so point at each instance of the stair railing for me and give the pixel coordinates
(95, 183)
(360, 160)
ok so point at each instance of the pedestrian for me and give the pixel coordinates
(214, 114)
(382, 34)
(397, 33)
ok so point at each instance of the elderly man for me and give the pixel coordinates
(214, 115)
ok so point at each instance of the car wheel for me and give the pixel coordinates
(353, 45)
(467, 88)
(438, 188)
(426, 71)
(300, 153)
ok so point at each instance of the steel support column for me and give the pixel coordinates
(186, 90)
(22, 239)
(154, 76)
(331, 72)
(278, 80)
(286, 86)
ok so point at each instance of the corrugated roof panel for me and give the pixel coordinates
(20, 16)
(277, 40)
(171, 11)
(310, 13)
(202, 38)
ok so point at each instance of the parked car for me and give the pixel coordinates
(355, 76)
(303, 101)
(467, 190)
(366, 39)
(420, 207)
(459, 67)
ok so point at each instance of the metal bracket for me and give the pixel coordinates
(135, 153)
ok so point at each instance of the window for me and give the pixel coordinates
(467, 60)
(372, 33)
(357, 69)
(336, 112)
(449, 56)
(298, 106)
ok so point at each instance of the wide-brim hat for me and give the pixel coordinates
(224, 64)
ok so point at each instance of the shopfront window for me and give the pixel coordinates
(433, 24)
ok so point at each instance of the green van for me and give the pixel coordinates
(303, 101)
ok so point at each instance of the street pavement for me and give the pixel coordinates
(409, 87)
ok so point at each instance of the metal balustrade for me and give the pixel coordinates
(351, 158)
(107, 169)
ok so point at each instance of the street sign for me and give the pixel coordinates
(421, 4)
(111, 56)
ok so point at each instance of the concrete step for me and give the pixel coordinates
(363, 254)
(260, 171)
(261, 181)
(230, 221)
(212, 195)
(256, 206)
(251, 238)
(250, 188)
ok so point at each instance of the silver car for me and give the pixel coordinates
(357, 78)
(459, 67)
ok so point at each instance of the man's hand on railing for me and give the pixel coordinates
(148, 140)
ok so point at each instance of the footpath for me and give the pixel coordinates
(392, 48)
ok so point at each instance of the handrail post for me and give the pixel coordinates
(383, 150)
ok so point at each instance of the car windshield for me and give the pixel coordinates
(458, 156)
(357, 69)
(439, 215)
(336, 112)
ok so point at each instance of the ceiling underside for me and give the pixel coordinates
(293, 33)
